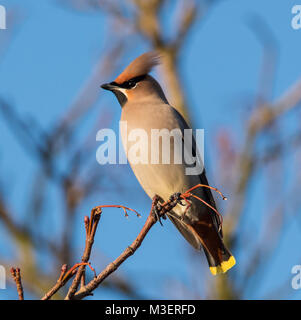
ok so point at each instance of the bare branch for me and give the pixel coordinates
(90, 234)
(60, 283)
(16, 274)
(130, 250)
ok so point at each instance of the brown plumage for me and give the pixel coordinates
(140, 66)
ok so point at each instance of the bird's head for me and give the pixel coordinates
(134, 84)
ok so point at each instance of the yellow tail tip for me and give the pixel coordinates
(223, 267)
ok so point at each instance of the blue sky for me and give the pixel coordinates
(52, 53)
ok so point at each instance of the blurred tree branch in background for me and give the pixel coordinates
(144, 18)
(48, 147)
(261, 121)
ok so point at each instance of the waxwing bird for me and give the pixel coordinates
(145, 108)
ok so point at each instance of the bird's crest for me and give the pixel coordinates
(140, 66)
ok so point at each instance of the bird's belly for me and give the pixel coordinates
(161, 179)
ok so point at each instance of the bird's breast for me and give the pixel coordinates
(150, 145)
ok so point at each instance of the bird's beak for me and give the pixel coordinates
(109, 86)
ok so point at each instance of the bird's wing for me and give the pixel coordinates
(203, 179)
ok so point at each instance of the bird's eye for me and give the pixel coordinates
(130, 84)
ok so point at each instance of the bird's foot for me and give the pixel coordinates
(176, 197)
(156, 210)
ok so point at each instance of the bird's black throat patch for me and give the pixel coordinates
(121, 97)
(129, 84)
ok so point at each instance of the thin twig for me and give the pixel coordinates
(91, 226)
(93, 284)
(16, 274)
(59, 284)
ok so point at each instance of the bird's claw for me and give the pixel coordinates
(157, 208)
(176, 197)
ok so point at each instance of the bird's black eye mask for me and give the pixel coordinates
(115, 88)
(129, 84)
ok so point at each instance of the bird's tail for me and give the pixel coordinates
(219, 258)
(205, 235)
(220, 263)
